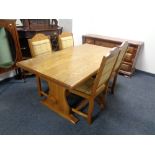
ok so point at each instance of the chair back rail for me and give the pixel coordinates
(95, 87)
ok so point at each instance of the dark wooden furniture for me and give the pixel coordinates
(10, 52)
(129, 61)
(34, 26)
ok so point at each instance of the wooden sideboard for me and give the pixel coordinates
(128, 64)
(27, 33)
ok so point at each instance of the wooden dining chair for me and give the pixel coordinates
(95, 87)
(40, 44)
(123, 49)
(65, 40)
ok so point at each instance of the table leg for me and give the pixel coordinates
(56, 101)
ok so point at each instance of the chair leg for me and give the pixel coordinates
(39, 85)
(20, 74)
(101, 101)
(90, 110)
(113, 84)
(23, 75)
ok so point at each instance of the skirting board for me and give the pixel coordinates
(137, 70)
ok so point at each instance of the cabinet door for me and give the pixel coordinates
(126, 67)
(89, 40)
(132, 50)
(130, 54)
(129, 57)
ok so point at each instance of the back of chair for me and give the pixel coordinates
(123, 48)
(40, 44)
(105, 71)
(65, 40)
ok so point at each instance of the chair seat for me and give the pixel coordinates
(86, 87)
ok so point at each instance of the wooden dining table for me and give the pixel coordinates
(64, 70)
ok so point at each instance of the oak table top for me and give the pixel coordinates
(68, 67)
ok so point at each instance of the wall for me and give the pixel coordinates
(130, 19)
(18, 22)
(66, 24)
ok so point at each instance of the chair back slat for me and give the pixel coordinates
(105, 70)
(123, 48)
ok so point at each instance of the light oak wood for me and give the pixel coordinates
(69, 67)
(56, 101)
(40, 44)
(65, 40)
(82, 104)
(94, 86)
(65, 70)
(123, 49)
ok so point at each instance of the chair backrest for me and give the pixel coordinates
(40, 44)
(105, 71)
(123, 48)
(6, 59)
(65, 40)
